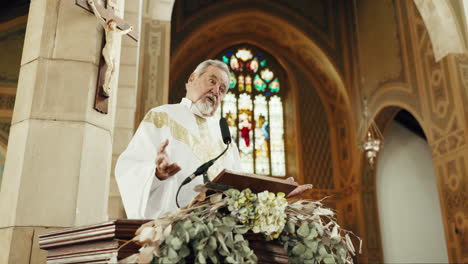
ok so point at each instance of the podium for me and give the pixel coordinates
(101, 243)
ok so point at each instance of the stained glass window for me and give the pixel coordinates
(253, 108)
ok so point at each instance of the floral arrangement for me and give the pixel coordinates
(212, 229)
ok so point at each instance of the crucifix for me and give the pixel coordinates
(113, 26)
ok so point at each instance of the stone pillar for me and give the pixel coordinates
(59, 155)
(126, 103)
(155, 53)
(144, 79)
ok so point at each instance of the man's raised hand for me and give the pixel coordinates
(165, 169)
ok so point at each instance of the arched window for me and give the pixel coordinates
(253, 107)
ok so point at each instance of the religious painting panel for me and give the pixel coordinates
(253, 108)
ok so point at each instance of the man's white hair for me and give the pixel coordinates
(202, 67)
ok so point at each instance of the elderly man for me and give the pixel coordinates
(171, 142)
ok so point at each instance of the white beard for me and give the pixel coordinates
(205, 106)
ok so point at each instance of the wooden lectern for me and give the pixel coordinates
(101, 243)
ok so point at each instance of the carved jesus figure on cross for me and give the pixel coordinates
(109, 50)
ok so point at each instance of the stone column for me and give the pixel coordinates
(155, 50)
(144, 79)
(126, 103)
(59, 155)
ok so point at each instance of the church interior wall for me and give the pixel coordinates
(408, 200)
(396, 69)
(434, 91)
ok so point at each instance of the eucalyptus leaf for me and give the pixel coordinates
(184, 251)
(172, 254)
(238, 238)
(308, 254)
(303, 230)
(298, 249)
(230, 260)
(201, 259)
(329, 260)
(229, 221)
(202, 243)
(187, 224)
(312, 245)
(319, 228)
(291, 227)
(212, 243)
(313, 233)
(214, 258)
(176, 243)
(323, 251)
(242, 230)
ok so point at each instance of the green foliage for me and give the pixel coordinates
(213, 239)
(202, 234)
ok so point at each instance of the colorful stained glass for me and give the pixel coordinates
(246, 132)
(252, 112)
(267, 75)
(274, 86)
(230, 113)
(244, 54)
(262, 136)
(241, 83)
(259, 83)
(248, 83)
(277, 137)
(233, 81)
(234, 63)
(253, 65)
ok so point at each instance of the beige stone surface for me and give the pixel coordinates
(132, 6)
(162, 9)
(40, 31)
(122, 137)
(49, 173)
(125, 118)
(6, 234)
(126, 41)
(78, 34)
(114, 188)
(93, 185)
(39, 256)
(126, 97)
(443, 29)
(129, 55)
(128, 75)
(73, 155)
(116, 210)
(132, 18)
(15, 244)
(11, 182)
(57, 29)
(59, 90)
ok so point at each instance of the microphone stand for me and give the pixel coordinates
(203, 169)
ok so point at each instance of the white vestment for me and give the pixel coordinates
(193, 140)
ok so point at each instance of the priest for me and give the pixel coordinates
(171, 142)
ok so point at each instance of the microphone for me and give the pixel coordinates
(226, 135)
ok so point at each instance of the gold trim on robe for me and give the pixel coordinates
(204, 148)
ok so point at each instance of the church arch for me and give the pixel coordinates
(442, 24)
(297, 53)
(372, 184)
